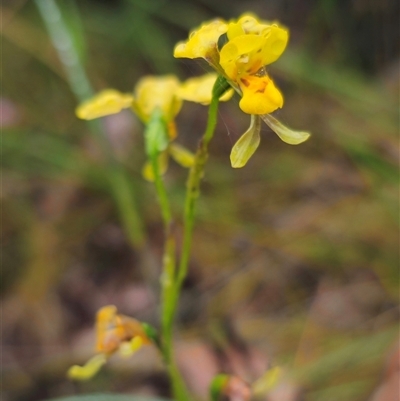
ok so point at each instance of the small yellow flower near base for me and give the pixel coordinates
(114, 332)
(113, 329)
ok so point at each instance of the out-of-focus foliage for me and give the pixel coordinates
(296, 258)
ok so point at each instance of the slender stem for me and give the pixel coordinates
(193, 191)
(171, 280)
(167, 284)
(168, 289)
(161, 193)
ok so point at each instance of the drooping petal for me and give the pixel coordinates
(106, 102)
(260, 95)
(247, 144)
(89, 369)
(199, 89)
(202, 42)
(286, 134)
(181, 155)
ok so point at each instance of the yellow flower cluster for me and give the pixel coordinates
(114, 333)
(249, 46)
(151, 93)
(239, 50)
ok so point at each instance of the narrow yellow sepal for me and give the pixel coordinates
(286, 134)
(181, 155)
(247, 144)
(106, 102)
(88, 370)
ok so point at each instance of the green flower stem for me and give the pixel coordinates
(168, 289)
(171, 281)
(167, 285)
(119, 181)
(193, 190)
(161, 193)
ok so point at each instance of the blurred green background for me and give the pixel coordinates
(295, 258)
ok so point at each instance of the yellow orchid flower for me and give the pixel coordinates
(250, 46)
(239, 50)
(150, 92)
(165, 93)
(114, 333)
(153, 92)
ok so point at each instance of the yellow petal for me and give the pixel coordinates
(276, 39)
(199, 89)
(105, 318)
(247, 144)
(251, 46)
(260, 95)
(251, 24)
(247, 23)
(181, 155)
(147, 170)
(106, 102)
(236, 56)
(286, 134)
(234, 29)
(128, 348)
(153, 92)
(202, 42)
(87, 371)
